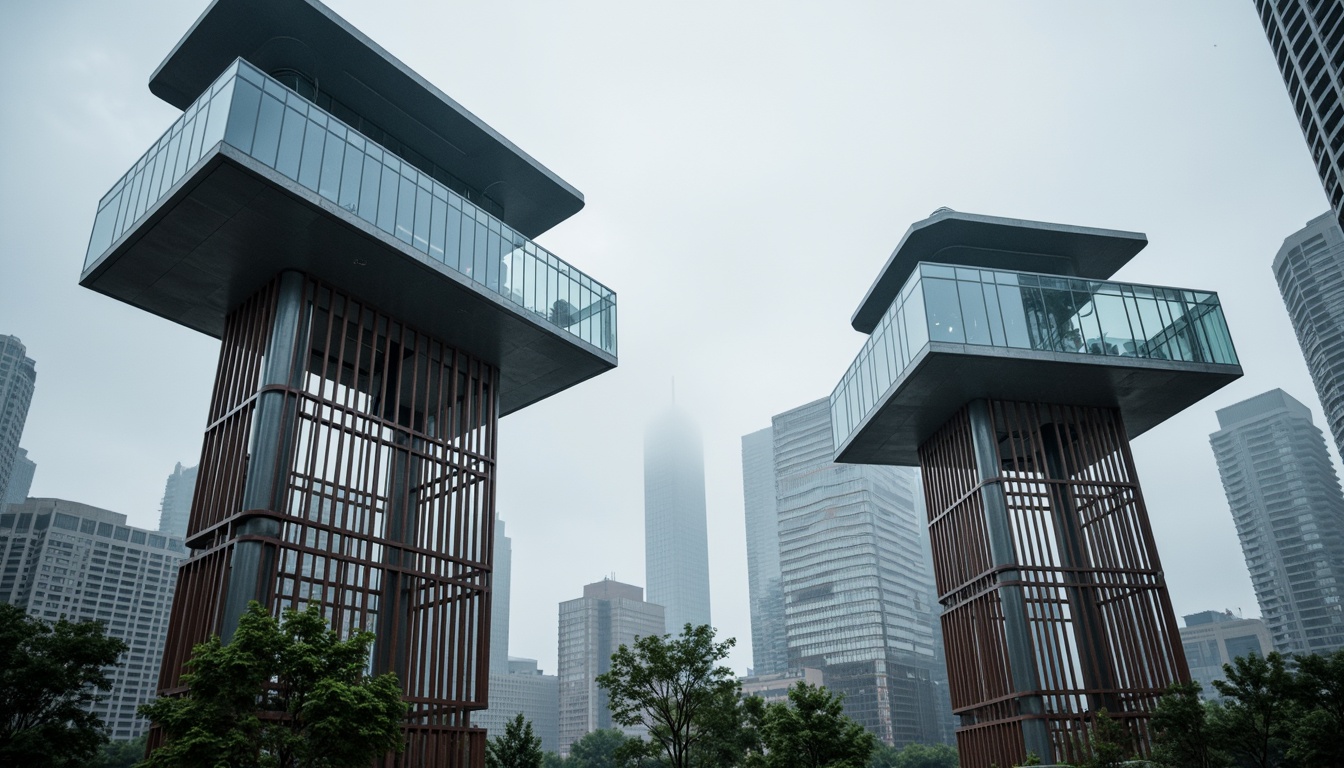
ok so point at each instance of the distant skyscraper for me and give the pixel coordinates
(1310, 271)
(610, 614)
(769, 642)
(1212, 639)
(176, 506)
(501, 583)
(516, 685)
(18, 374)
(1289, 512)
(1305, 36)
(20, 479)
(67, 560)
(676, 540)
(858, 584)
(526, 689)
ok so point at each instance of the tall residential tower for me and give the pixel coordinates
(1003, 363)
(18, 375)
(1307, 39)
(1289, 511)
(363, 247)
(62, 559)
(1309, 269)
(676, 536)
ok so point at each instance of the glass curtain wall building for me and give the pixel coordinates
(676, 530)
(769, 642)
(1289, 512)
(175, 509)
(362, 245)
(858, 591)
(1309, 269)
(1003, 361)
(1307, 40)
(18, 376)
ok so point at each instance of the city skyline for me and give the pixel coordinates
(744, 272)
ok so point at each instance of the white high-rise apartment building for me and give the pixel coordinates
(1309, 269)
(610, 614)
(67, 560)
(18, 375)
(676, 537)
(1289, 512)
(1307, 39)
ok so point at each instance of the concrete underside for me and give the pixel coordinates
(944, 377)
(231, 224)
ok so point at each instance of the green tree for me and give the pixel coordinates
(1254, 723)
(50, 674)
(121, 754)
(1318, 733)
(596, 750)
(1182, 733)
(812, 731)
(671, 687)
(914, 756)
(554, 760)
(519, 747)
(281, 694)
(1110, 743)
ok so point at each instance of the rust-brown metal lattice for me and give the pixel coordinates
(1054, 602)
(377, 456)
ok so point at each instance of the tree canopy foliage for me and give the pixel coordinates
(280, 694)
(50, 675)
(1275, 712)
(519, 747)
(915, 756)
(812, 731)
(673, 687)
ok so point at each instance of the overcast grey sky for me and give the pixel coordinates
(747, 167)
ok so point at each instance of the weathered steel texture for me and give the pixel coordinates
(1054, 601)
(381, 447)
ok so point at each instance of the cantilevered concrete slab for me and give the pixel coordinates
(306, 37)
(231, 224)
(994, 242)
(944, 377)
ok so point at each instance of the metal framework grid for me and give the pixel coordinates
(1055, 603)
(375, 447)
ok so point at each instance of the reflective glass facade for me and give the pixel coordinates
(858, 591)
(1027, 311)
(255, 114)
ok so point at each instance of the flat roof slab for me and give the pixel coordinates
(994, 242)
(308, 37)
(944, 377)
(231, 224)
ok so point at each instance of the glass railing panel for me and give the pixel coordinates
(1020, 310)
(262, 118)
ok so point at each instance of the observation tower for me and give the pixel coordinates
(1003, 363)
(362, 246)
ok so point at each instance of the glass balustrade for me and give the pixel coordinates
(1019, 310)
(258, 116)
